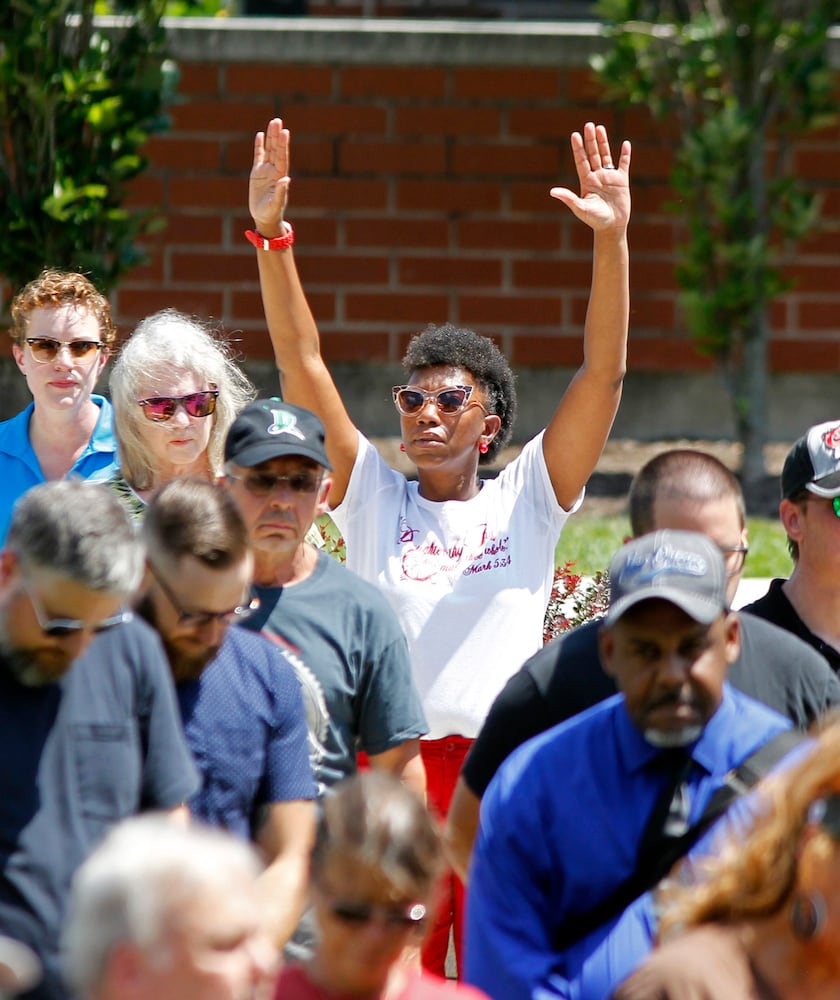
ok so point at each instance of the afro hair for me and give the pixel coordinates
(455, 347)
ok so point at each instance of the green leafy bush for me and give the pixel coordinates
(77, 105)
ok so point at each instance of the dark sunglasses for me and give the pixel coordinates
(200, 619)
(63, 628)
(263, 484)
(161, 408)
(404, 917)
(44, 349)
(411, 399)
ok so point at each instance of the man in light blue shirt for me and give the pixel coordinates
(563, 821)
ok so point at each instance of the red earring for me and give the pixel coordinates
(483, 446)
(402, 446)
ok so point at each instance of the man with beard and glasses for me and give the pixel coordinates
(571, 816)
(88, 720)
(240, 701)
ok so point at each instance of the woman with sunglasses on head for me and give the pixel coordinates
(175, 390)
(467, 563)
(761, 919)
(374, 874)
(62, 335)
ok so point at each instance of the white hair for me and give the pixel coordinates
(135, 883)
(165, 342)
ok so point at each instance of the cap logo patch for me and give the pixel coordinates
(664, 561)
(285, 423)
(831, 440)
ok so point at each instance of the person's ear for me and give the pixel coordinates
(606, 649)
(322, 507)
(17, 354)
(492, 426)
(102, 360)
(126, 971)
(791, 515)
(732, 636)
(9, 566)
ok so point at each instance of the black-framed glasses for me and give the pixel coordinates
(411, 399)
(196, 404)
(263, 484)
(734, 557)
(45, 349)
(64, 628)
(357, 913)
(200, 619)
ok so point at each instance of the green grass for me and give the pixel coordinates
(590, 541)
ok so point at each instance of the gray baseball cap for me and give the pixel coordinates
(685, 568)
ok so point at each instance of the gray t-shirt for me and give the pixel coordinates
(351, 658)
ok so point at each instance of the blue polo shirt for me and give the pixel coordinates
(561, 825)
(19, 468)
(102, 743)
(245, 725)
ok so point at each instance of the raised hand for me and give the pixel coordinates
(604, 201)
(268, 185)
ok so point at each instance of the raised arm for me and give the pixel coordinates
(304, 377)
(578, 431)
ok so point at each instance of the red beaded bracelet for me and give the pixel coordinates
(276, 243)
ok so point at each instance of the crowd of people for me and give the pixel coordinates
(234, 768)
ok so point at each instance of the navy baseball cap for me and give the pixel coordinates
(813, 463)
(684, 568)
(270, 428)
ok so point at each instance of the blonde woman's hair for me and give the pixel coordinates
(754, 874)
(53, 289)
(164, 342)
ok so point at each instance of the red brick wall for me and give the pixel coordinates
(420, 193)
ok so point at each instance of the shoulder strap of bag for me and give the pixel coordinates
(737, 782)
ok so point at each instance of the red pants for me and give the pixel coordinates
(442, 760)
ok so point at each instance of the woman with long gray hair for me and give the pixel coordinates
(176, 390)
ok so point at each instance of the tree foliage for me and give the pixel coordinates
(740, 80)
(77, 105)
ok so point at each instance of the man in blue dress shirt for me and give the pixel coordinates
(563, 820)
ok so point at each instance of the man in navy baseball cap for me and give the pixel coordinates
(270, 428)
(350, 652)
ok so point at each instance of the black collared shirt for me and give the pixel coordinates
(775, 607)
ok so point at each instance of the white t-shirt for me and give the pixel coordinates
(468, 579)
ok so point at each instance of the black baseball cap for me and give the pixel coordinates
(270, 428)
(813, 463)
